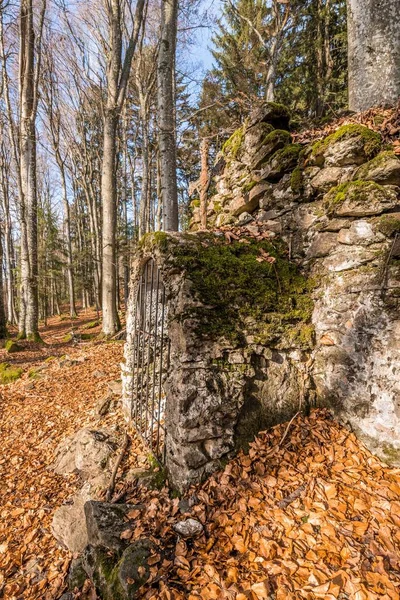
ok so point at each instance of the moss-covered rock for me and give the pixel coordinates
(389, 225)
(8, 373)
(350, 144)
(11, 347)
(359, 199)
(233, 144)
(383, 169)
(283, 161)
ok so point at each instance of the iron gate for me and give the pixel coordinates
(151, 356)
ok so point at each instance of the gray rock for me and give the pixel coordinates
(326, 178)
(360, 233)
(115, 387)
(272, 113)
(189, 528)
(273, 142)
(69, 521)
(362, 200)
(243, 204)
(106, 522)
(87, 452)
(76, 575)
(322, 245)
(245, 218)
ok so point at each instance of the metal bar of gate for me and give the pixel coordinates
(151, 350)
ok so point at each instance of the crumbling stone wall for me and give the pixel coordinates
(240, 333)
(336, 204)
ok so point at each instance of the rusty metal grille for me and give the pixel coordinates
(151, 357)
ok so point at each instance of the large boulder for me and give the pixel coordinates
(349, 145)
(106, 523)
(87, 452)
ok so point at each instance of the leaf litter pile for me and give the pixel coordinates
(307, 513)
(36, 413)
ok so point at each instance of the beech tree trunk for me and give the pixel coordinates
(29, 315)
(166, 114)
(118, 71)
(374, 53)
(3, 327)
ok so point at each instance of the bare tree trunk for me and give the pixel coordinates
(3, 327)
(108, 190)
(204, 181)
(29, 318)
(374, 53)
(166, 114)
(117, 80)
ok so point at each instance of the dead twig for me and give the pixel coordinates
(111, 485)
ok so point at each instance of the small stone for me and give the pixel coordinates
(245, 218)
(76, 575)
(326, 178)
(12, 347)
(99, 374)
(189, 528)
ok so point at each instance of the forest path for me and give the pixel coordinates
(36, 413)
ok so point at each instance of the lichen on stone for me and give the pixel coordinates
(388, 225)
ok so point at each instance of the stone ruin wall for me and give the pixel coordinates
(335, 206)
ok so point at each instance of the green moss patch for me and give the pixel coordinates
(233, 144)
(241, 294)
(372, 141)
(8, 373)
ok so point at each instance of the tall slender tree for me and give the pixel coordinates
(118, 71)
(166, 114)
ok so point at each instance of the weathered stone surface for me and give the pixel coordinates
(87, 452)
(360, 233)
(106, 522)
(253, 138)
(275, 114)
(349, 145)
(69, 522)
(282, 162)
(322, 245)
(274, 141)
(384, 169)
(245, 218)
(76, 575)
(329, 177)
(116, 576)
(242, 204)
(189, 528)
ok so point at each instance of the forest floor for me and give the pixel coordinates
(308, 513)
